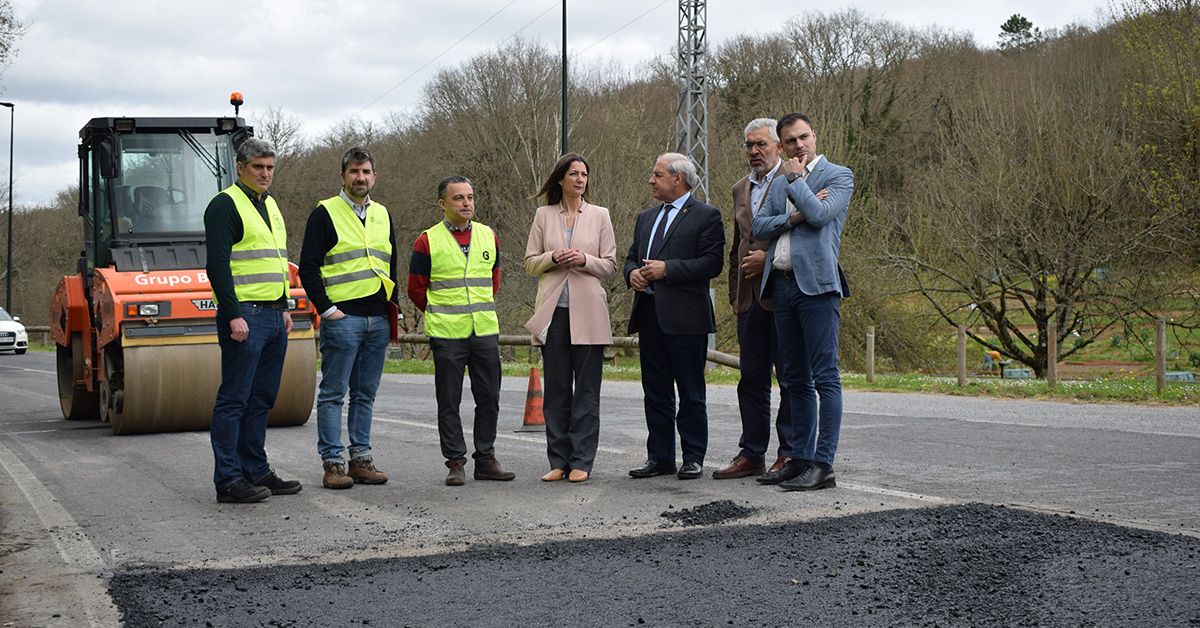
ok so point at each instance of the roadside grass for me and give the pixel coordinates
(1108, 390)
(1121, 389)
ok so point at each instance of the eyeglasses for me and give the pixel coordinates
(760, 145)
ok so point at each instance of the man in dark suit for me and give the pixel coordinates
(677, 248)
(759, 347)
(806, 286)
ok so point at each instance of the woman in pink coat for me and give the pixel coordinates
(571, 250)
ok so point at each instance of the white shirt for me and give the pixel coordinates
(359, 210)
(783, 246)
(670, 218)
(758, 189)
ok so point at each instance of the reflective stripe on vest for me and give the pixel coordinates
(460, 300)
(258, 262)
(359, 263)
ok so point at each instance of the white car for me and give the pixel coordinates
(12, 334)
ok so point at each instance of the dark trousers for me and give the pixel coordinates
(808, 342)
(250, 373)
(481, 354)
(759, 346)
(670, 362)
(572, 396)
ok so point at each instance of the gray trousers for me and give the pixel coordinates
(481, 354)
(571, 401)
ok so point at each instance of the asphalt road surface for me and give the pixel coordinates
(1100, 523)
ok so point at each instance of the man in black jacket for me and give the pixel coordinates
(348, 268)
(677, 248)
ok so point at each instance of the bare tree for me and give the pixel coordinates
(11, 30)
(282, 129)
(1033, 211)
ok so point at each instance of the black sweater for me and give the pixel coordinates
(223, 228)
(319, 238)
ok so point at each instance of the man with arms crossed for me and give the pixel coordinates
(805, 285)
(348, 268)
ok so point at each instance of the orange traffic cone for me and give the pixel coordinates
(534, 420)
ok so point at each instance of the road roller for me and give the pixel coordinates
(135, 327)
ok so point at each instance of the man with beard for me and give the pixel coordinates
(348, 268)
(755, 323)
(806, 287)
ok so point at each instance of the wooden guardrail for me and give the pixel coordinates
(510, 340)
(521, 340)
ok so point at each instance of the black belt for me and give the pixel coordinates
(273, 305)
(785, 273)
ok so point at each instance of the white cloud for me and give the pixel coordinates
(325, 61)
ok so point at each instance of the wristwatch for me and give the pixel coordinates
(792, 176)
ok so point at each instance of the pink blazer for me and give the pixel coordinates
(586, 298)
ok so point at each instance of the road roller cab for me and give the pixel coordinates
(136, 327)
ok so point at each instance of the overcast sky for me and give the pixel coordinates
(325, 61)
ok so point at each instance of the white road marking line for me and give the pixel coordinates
(27, 370)
(1021, 424)
(72, 543)
(29, 394)
(870, 426)
(514, 437)
(879, 490)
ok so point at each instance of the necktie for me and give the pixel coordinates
(660, 232)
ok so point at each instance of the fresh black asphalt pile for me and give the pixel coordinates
(956, 565)
(708, 514)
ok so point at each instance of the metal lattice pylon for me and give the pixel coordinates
(691, 110)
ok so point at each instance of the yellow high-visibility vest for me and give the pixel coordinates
(360, 262)
(258, 261)
(460, 300)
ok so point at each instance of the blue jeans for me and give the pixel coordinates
(353, 349)
(250, 372)
(808, 346)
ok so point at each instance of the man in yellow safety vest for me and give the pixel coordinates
(246, 245)
(454, 273)
(348, 268)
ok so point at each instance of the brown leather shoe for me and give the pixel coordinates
(772, 474)
(489, 469)
(739, 467)
(363, 471)
(456, 477)
(335, 476)
(578, 475)
(554, 475)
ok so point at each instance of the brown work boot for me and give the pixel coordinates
(456, 477)
(740, 467)
(363, 471)
(335, 476)
(488, 468)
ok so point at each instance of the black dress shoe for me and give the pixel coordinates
(812, 479)
(690, 471)
(651, 468)
(788, 471)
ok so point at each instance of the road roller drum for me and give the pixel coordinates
(169, 388)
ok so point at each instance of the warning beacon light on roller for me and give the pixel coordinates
(135, 326)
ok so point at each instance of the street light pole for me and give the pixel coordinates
(12, 113)
(564, 79)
